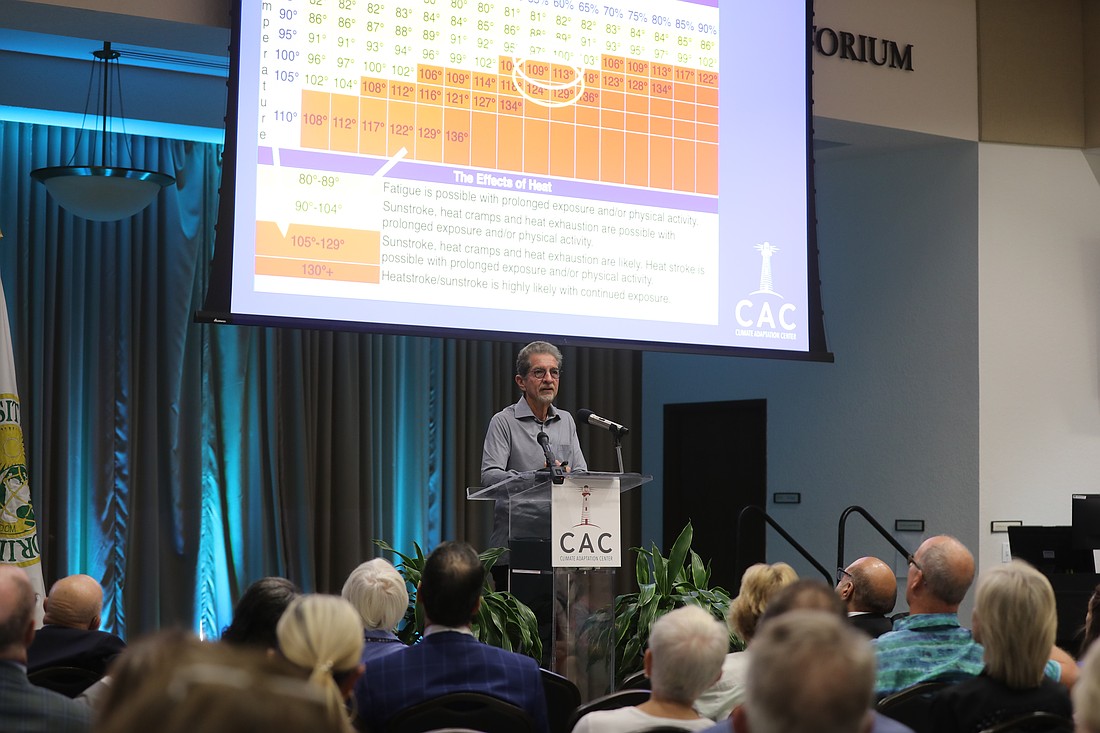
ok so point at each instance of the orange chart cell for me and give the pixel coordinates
(629, 121)
(317, 252)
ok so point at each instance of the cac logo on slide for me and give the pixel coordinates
(765, 314)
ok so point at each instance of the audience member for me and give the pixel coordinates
(810, 672)
(71, 635)
(1015, 622)
(25, 708)
(811, 595)
(257, 612)
(758, 584)
(686, 649)
(379, 594)
(139, 662)
(322, 635)
(929, 644)
(449, 658)
(1092, 623)
(1086, 693)
(221, 688)
(869, 590)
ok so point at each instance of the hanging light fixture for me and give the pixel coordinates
(103, 192)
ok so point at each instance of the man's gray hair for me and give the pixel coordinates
(809, 672)
(378, 593)
(523, 360)
(943, 566)
(688, 646)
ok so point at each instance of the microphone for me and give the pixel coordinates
(551, 463)
(602, 422)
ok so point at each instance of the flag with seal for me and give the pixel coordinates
(18, 526)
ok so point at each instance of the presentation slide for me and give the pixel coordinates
(547, 166)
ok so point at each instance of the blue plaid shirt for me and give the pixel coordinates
(927, 647)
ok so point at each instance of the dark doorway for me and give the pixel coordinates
(715, 465)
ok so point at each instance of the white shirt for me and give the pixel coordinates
(632, 720)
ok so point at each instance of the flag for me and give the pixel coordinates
(18, 527)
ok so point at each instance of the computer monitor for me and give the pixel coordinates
(1050, 549)
(1086, 521)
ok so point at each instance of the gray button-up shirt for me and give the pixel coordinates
(511, 447)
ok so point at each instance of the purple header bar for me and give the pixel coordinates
(708, 3)
(492, 180)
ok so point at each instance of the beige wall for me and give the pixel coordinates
(197, 12)
(939, 96)
(1091, 23)
(1031, 70)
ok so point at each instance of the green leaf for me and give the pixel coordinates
(698, 570)
(660, 573)
(679, 551)
(642, 566)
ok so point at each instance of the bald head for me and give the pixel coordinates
(941, 577)
(16, 613)
(75, 601)
(869, 586)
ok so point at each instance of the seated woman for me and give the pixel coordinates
(686, 648)
(1086, 693)
(1015, 621)
(378, 593)
(1092, 623)
(758, 585)
(322, 635)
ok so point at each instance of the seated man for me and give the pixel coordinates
(869, 590)
(449, 658)
(23, 706)
(810, 672)
(929, 644)
(71, 635)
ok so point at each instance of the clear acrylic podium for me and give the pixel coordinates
(574, 605)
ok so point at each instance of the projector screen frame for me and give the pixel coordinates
(217, 306)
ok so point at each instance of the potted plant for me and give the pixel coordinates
(664, 583)
(502, 620)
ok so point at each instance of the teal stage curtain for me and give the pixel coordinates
(178, 462)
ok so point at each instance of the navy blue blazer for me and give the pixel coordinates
(445, 662)
(25, 708)
(61, 646)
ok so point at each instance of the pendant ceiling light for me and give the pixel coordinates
(102, 192)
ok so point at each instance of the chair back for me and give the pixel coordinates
(69, 681)
(636, 681)
(1036, 722)
(620, 699)
(471, 710)
(911, 706)
(562, 700)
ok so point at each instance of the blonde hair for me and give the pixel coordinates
(378, 593)
(323, 635)
(1015, 621)
(1086, 693)
(759, 583)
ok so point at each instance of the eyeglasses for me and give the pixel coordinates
(913, 561)
(840, 573)
(541, 372)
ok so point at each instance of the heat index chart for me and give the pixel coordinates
(563, 148)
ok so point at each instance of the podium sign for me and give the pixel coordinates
(584, 523)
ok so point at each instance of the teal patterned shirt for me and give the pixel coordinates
(927, 647)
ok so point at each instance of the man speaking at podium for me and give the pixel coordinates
(512, 441)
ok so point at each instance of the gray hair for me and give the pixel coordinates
(809, 672)
(1015, 621)
(378, 593)
(688, 646)
(523, 359)
(943, 564)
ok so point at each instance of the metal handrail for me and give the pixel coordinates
(874, 523)
(782, 533)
